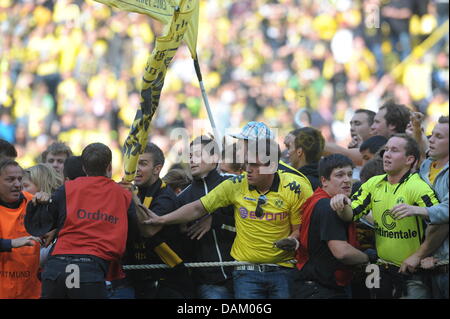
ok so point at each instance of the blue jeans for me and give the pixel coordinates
(417, 287)
(214, 292)
(439, 283)
(314, 290)
(123, 292)
(251, 284)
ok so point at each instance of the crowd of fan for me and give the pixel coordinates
(393, 150)
(71, 70)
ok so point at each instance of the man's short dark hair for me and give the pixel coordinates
(443, 120)
(397, 115)
(370, 115)
(56, 148)
(372, 168)
(7, 149)
(156, 152)
(4, 162)
(73, 167)
(411, 147)
(328, 163)
(177, 179)
(373, 144)
(230, 157)
(311, 141)
(207, 141)
(96, 158)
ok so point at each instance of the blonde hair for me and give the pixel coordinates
(44, 177)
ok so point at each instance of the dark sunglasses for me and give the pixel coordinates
(261, 201)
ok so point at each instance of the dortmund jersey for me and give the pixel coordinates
(395, 240)
(255, 236)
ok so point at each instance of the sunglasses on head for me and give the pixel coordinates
(261, 201)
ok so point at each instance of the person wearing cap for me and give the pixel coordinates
(266, 205)
(254, 131)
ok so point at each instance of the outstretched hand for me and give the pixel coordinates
(148, 217)
(200, 228)
(24, 241)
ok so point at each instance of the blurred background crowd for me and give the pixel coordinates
(70, 70)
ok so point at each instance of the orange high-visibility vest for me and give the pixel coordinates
(18, 268)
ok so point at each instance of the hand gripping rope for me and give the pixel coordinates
(437, 264)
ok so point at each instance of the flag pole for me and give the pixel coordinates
(217, 136)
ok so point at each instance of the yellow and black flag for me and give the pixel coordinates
(152, 84)
(163, 11)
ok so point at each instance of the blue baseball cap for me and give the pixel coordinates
(254, 131)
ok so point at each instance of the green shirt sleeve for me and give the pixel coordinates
(362, 200)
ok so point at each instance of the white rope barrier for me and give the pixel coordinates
(193, 265)
(230, 264)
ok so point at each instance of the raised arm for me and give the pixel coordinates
(352, 153)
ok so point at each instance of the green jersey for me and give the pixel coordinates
(395, 240)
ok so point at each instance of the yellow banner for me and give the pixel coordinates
(192, 31)
(163, 11)
(153, 82)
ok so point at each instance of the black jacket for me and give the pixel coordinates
(311, 171)
(142, 250)
(216, 244)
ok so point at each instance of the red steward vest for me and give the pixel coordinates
(96, 222)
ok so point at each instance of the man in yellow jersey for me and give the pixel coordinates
(434, 171)
(267, 209)
(396, 240)
(254, 131)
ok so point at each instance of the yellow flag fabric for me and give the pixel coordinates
(152, 84)
(163, 11)
(192, 32)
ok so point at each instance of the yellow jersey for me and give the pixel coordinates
(255, 236)
(395, 240)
